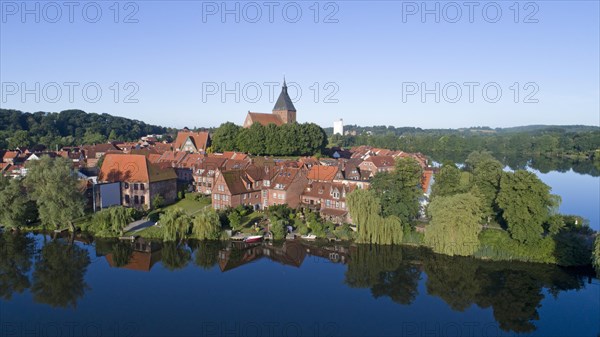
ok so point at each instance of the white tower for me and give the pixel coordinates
(338, 127)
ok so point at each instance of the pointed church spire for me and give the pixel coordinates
(284, 103)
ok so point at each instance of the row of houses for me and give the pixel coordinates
(136, 174)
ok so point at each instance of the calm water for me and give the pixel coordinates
(49, 287)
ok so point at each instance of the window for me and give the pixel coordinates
(337, 204)
(136, 199)
(267, 183)
(126, 198)
(328, 203)
(142, 187)
(217, 197)
(336, 195)
(142, 200)
(126, 185)
(221, 188)
(135, 187)
(274, 195)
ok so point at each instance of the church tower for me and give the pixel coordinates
(284, 108)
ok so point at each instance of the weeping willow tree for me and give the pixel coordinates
(176, 224)
(365, 209)
(112, 220)
(454, 227)
(206, 225)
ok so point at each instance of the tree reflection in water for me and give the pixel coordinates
(175, 255)
(58, 278)
(16, 254)
(206, 253)
(513, 290)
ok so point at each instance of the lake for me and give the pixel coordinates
(55, 287)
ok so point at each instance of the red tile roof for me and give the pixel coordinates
(323, 173)
(265, 119)
(382, 161)
(132, 168)
(200, 139)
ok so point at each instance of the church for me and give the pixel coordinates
(284, 112)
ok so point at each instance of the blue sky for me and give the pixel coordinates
(371, 61)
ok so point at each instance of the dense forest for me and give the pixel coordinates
(581, 142)
(68, 128)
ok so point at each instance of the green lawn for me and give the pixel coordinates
(189, 205)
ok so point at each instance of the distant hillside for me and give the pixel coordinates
(398, 131)
(68, 128)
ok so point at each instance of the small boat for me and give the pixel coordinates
(253, 239)
(310, 237)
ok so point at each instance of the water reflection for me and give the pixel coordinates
(58, 278)
(16, 253)
(513, 291)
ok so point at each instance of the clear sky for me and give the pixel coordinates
(172, 60)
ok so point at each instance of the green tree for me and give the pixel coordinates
(20, 138)
(454, 227)
(16, 208)
(235, 219)
(225, 137)
(596, 255)
(526, 203)
(112, 136)
(91, 137)
(278, 229)
(372, 227)
(58, 278)
(176, 224)
(486, 177)
(447, 181)
(158, 201)
(120, 217)
(399, 191)
(206, 225)
(56, 191)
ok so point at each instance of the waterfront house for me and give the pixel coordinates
(329, 199)
(141, 181)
